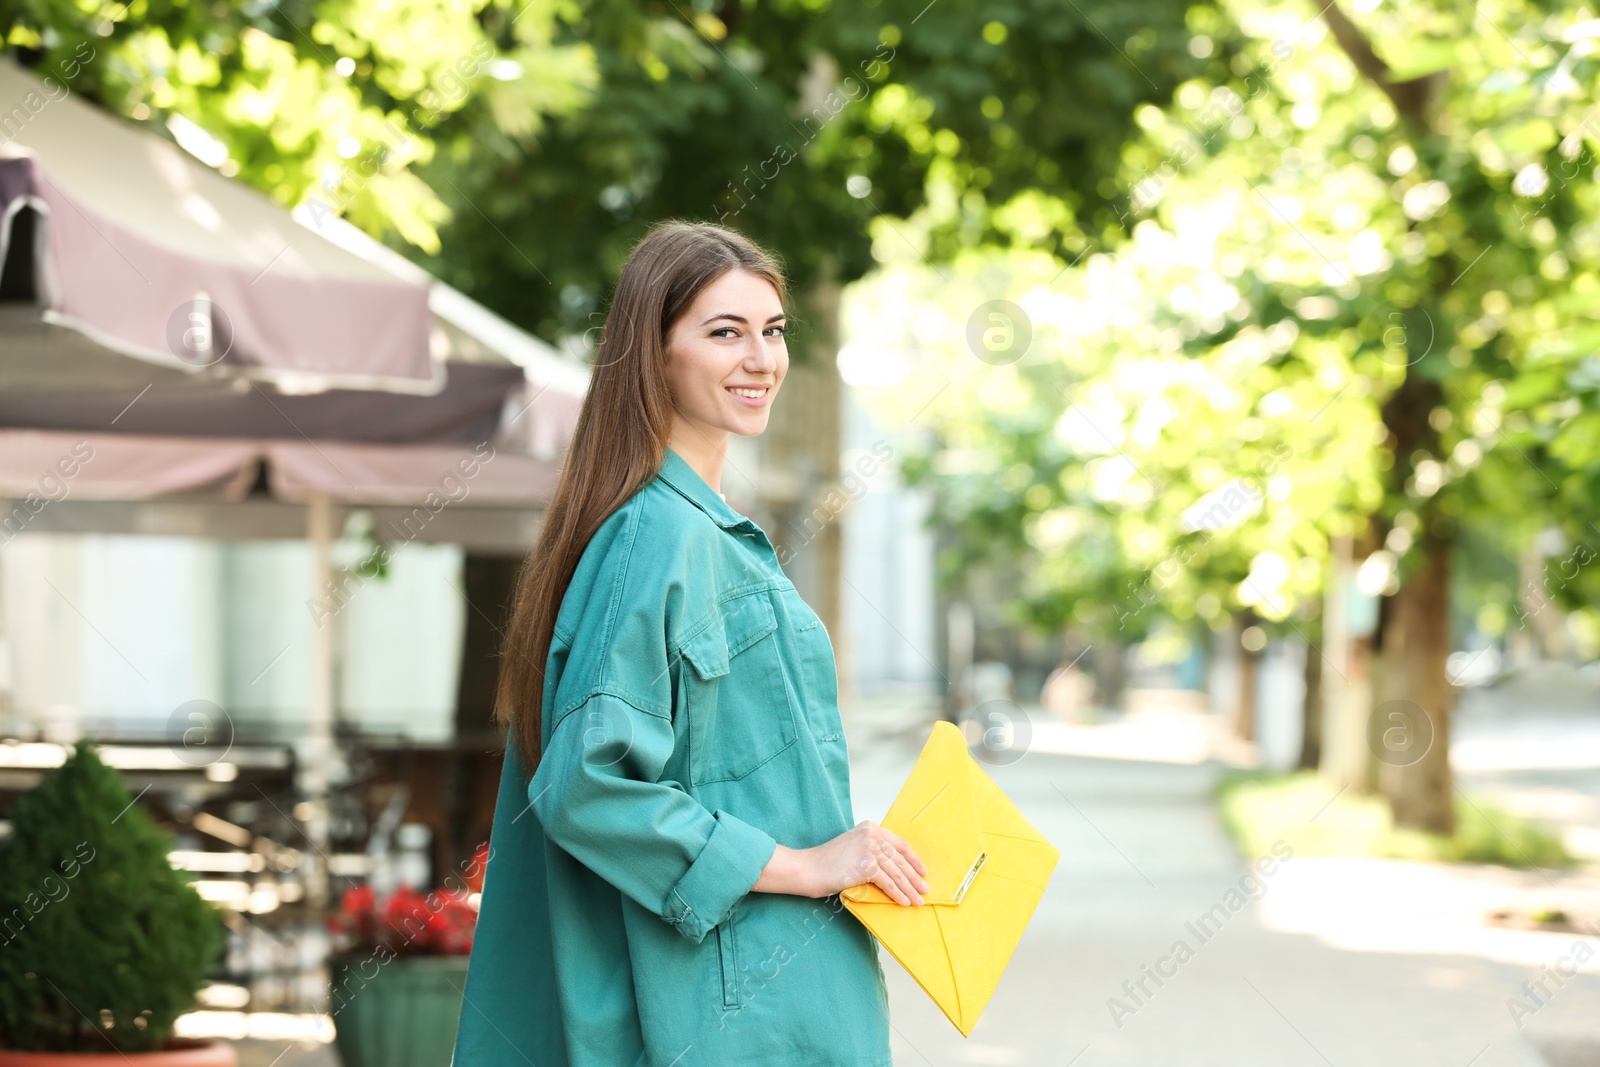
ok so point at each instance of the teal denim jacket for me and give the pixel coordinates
(691, 723)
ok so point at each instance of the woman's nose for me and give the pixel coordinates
(762, 356)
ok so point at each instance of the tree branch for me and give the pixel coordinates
(1411, 98)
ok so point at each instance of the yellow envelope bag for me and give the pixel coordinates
(987, 869)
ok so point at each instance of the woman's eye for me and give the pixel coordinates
(783, 331)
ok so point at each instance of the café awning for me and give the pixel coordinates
(39, 468)
(366, 382)
(151, 254)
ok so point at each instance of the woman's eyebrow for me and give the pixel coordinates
(739, 318)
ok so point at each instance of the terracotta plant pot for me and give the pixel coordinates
(179, 1053)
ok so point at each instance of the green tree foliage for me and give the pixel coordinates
(1364, 255)
(1306, 253)
(1418, 192)
(815, 127)
(334, 103)
(1126, 471)
(102, 944)
(818, 129)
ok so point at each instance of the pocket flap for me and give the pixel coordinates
(731, 628)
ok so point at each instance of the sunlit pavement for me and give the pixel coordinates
(268, 1039)
(1341, 962)
(1535, 750)
(258, 1052)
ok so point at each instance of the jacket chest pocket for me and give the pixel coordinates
(819, 678)
(741, 713)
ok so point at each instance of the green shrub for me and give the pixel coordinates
(102, 944)
(1259, 808)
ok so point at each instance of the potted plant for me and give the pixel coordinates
(399, 972)
(102, 944)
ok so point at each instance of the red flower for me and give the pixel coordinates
(406, 922)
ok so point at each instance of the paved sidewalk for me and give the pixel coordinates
(1144, 854)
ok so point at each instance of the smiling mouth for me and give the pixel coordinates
(753, 394)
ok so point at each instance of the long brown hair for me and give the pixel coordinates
(620, 441)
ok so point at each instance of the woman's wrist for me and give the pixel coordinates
(788, 871)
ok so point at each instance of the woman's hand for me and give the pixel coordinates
(869, 853)
(865, 853)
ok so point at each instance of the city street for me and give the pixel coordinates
(1297, 977)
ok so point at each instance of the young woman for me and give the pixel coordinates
(674, 822)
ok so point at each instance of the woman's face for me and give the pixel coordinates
(726, 356)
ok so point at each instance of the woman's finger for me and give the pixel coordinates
(901, 871)
(913, 880)
(907, 855)
(910, 862)
(882, 856)
(884, 880)
(906, 850)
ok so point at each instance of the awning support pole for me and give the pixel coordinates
(319, 727)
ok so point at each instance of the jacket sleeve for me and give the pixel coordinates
(599, 794)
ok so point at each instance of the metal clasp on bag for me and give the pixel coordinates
(972, 872)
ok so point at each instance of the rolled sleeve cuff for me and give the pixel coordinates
(728, 866)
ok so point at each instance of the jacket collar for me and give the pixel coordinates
(676, 472)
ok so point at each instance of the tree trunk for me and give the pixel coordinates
(960, 639)
(1311, 707)
(1409, 729)
(1410, 690)
(1363, 677)
(1539, 617)
(1346, 677)
(1411, 719)
(1244, 714)
(1110, 674)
